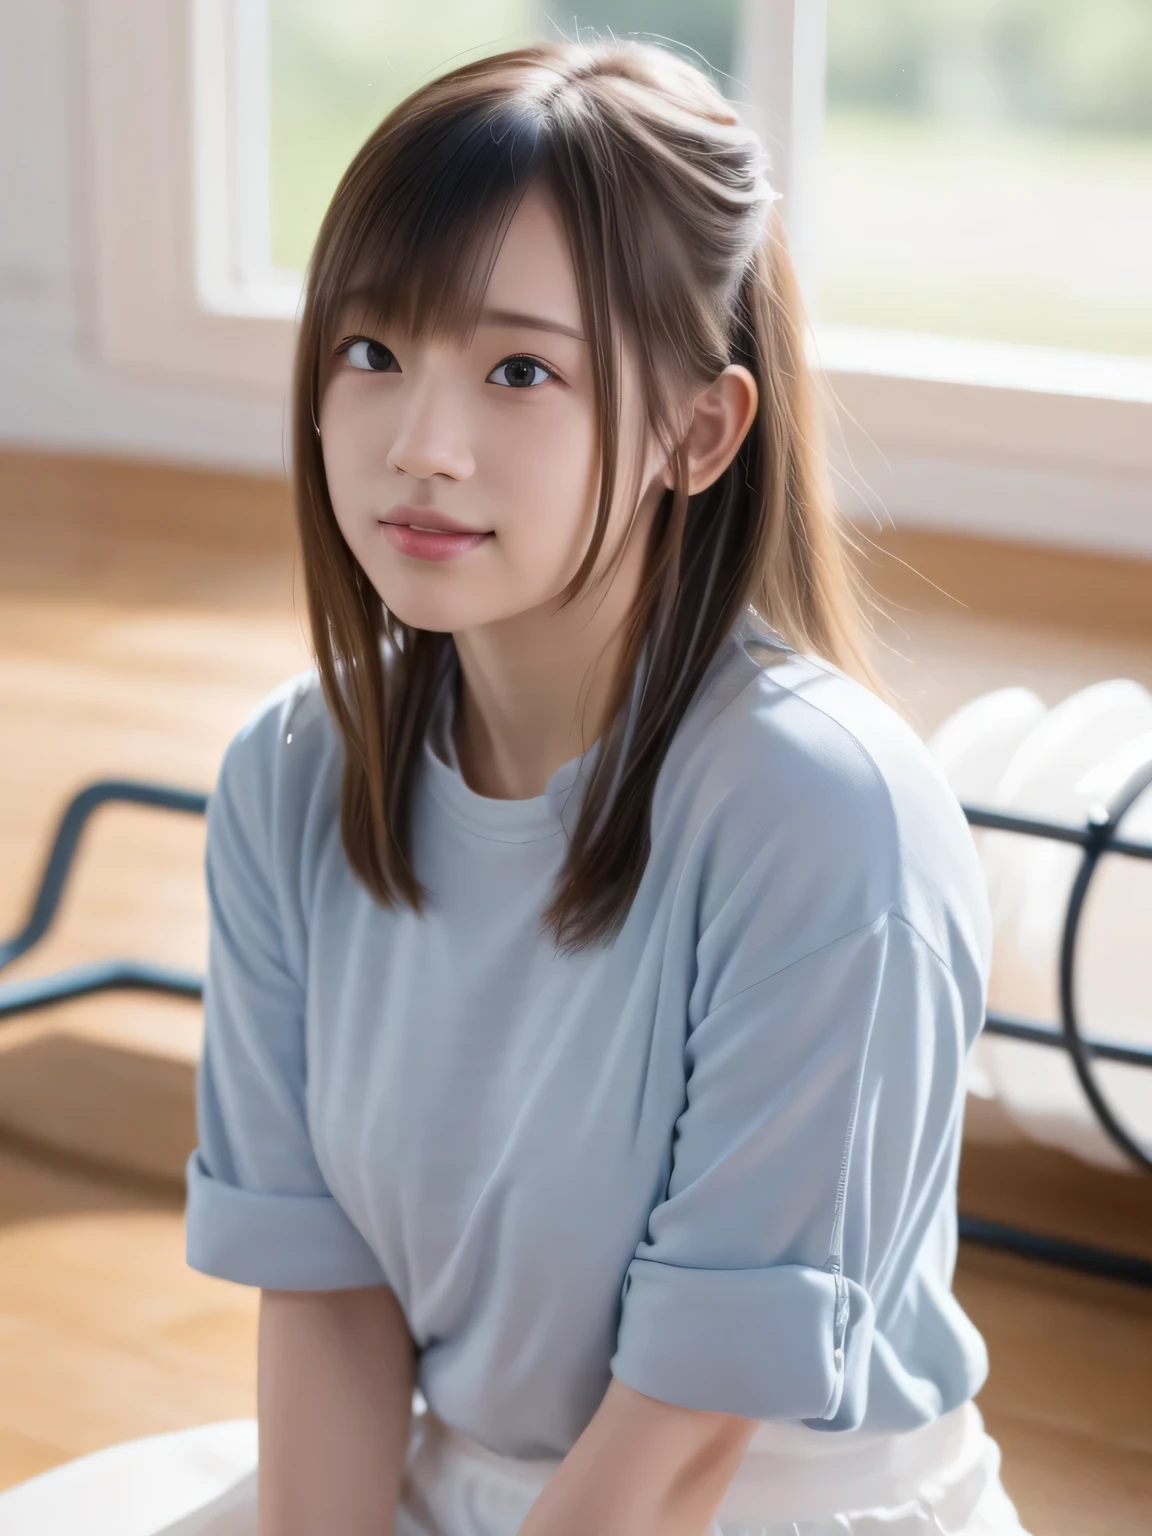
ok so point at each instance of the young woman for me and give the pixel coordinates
(594, 953)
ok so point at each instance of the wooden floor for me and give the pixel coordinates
(142, 612)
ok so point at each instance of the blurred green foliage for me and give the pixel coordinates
(1079, 65)
(703, 30)
(338, 67)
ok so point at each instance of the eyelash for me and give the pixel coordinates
(513, 357)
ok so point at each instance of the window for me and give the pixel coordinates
(984, 169)
(336, 68)
(964, 185)
(987, 171)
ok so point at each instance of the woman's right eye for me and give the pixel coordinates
(370, 356)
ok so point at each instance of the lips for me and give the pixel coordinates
(428, 520)
(430, 543)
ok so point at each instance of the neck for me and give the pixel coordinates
(536, 688)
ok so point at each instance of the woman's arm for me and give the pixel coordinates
(335, 1381)
(642, 1468)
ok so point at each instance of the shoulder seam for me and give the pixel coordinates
(927, 943)
(891, 911)
(872, 922)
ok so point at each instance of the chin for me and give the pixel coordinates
(452, 602)
(438, 618)
(442, 613)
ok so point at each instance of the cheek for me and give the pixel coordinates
(541, 469)
(533, 477)
(354, 437)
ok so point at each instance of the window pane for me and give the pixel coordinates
(987, 170)
(706, 33)
(338, 67)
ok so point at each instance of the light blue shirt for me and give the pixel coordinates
(716, 1158)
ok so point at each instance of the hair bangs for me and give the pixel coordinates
(433, 209)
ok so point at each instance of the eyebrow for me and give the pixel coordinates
(531, 322)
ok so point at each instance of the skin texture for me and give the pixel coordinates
(438, 426)
(642, 1468)
(334, 1411)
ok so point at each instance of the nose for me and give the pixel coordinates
(432, 436)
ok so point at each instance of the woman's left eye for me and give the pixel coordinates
(516, 373)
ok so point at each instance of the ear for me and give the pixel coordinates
(722, 412)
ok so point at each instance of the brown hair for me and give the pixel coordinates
(672, 230)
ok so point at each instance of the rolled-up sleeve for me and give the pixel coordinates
(259, 1211)
(815, 1148)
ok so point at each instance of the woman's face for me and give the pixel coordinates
(500, 437)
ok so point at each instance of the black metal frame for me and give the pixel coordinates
(103, 975)
(1100, 835)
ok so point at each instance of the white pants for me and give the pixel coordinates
(942, 1480)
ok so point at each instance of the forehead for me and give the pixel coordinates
(534, 270)
(531, 274)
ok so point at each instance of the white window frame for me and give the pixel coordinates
(982, 437)
(168, 296)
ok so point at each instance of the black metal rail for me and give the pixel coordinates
(17, 997)
(1100, 835)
